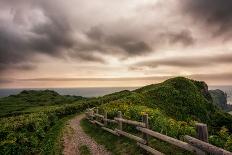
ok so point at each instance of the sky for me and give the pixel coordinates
(114, 43)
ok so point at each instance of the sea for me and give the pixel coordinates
(99, 91)
(85, 92)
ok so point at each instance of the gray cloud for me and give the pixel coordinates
(18, 43)
(184, 37)
(114, 42)
(90, 57)
(134, 43)
(206, 77)
(32, 28)
(53, 36)
(4, 81)
(194, 61)
(213, 77)
(216, 14)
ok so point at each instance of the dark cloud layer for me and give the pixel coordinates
(188, 62)
(31, 28)
(42, 27)
(123, 43)
(211, 76)
(216, 14)
(134, 44)
(18, 45)
(184, 37)
(54, 37)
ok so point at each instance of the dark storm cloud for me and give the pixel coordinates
(189, 62)
(20, 66)
(133, 44)
(90, 57)
(18, 45)
(53, 36)
(44, 27)
(10, 44)
(184, 37)
(211, 77)
(215, 14)
(126, 43)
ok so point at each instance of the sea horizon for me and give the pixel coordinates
(100, 91)
(77, 91)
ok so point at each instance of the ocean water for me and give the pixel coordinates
(99, 91)
(86, 92)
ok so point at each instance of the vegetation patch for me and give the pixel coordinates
(30, 127)
(52, 144)
(122, 145)
(116, 145)
(84, 150)
(30, 118)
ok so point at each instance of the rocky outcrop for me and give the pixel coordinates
(220, 99)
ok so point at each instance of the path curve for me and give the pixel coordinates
(72, 141)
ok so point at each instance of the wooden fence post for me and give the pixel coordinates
(97, 110)
(145, 121)
(105, 118)
(96, 118)
(89, 113)
(120, 122)
(92, 113)
(202, 132)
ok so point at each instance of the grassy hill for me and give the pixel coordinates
(180, 98)
(174, 106)
(32, 121)
(31, 101)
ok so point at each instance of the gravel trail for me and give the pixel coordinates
(77, 137)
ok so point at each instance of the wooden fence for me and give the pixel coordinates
(199, 145)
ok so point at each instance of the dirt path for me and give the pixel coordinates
(77, 137)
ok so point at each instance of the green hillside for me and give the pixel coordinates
(184, 99)
(31, 100)
(174, 106)
(32, 121)
(180, 98)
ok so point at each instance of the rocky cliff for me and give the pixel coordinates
(220, 99)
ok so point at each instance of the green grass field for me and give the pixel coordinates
(122, 145)
(32, 121)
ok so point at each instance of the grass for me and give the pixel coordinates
(116, 145)
(52, 144)
(33, 101)
(32, 121)
(84, 150)
(124, 146)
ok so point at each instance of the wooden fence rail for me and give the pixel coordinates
(171, 140)
(206, 146)
(130, 122)
(199, 146)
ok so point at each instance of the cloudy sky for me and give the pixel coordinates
(94, 43)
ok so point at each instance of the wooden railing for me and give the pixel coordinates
(197, 145)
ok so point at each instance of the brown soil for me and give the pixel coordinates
(73, 140)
